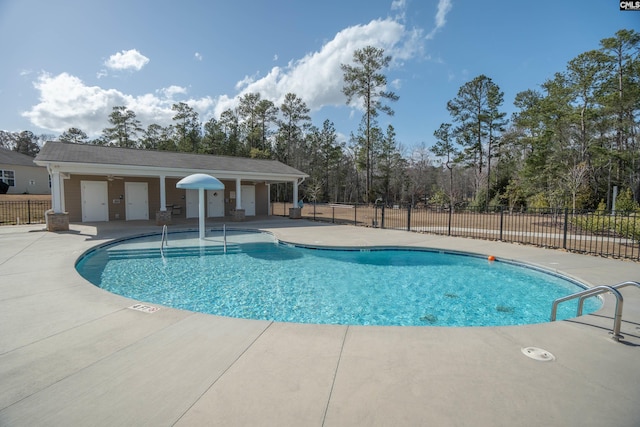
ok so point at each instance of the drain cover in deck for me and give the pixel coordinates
(538, 354)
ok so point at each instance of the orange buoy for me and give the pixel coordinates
(491, 258)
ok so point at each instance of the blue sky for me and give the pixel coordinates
(66, 63)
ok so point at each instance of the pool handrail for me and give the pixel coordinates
(618, 286)
(163, 240)
(617, 320)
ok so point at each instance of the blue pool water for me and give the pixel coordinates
(260, 278)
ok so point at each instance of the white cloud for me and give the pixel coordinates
(401, 7)
(246, 81)
(127, 60)
(317, 77)
(171, 91)
(444, 6)
(398, 4)
(66, 101)
(198, 56)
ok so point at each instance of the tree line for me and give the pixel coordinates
(568, 145)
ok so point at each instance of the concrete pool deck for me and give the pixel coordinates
(72, 354)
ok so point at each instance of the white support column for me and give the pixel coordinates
(56, 191)
(269, 199)
(295, 193)
(57, 219)
(163, 194)
(238, 193)
(63, 206)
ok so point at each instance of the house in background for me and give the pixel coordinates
(22, 175)
(92, 183)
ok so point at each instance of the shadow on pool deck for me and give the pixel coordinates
(73, 354)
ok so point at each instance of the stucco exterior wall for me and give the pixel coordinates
(72, 197)
(175, 197)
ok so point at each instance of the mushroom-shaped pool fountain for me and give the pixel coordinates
(200, 182)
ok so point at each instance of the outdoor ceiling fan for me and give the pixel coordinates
(111, 177)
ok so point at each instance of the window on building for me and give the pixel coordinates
(9, 177)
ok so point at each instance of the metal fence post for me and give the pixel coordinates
(450, 214)
(374, 223)
(501, 220)
(409, 217)
(382, 218)
(565, 228)
(29, 211)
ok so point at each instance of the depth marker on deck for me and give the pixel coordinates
(144, 308)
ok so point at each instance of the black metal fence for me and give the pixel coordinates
(594, 232)
(15, 212)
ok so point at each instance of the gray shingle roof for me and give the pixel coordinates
(10, 157)
(61, 152)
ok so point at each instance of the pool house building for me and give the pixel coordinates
(94, 183)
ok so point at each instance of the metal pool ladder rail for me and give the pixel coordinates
(617, 320)
(163, 240)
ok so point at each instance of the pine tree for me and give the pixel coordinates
(125, 128)
(365, 82)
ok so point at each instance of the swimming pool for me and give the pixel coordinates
(261, 278)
